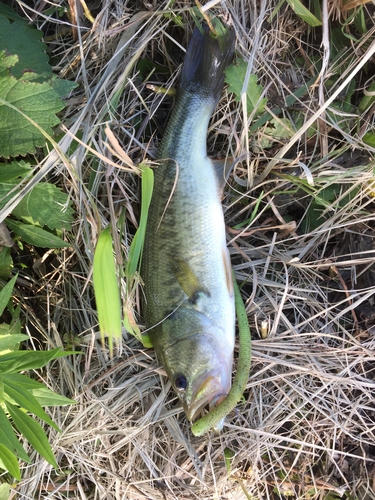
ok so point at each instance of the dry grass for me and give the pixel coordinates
(306, 428)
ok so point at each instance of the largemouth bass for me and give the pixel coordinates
(189, 302)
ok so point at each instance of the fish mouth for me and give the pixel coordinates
(211, 390)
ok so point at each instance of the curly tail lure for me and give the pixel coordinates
(211, 420)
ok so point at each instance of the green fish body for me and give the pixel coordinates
(188, 294)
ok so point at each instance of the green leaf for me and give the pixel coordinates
(228, 455)
(62, 87)
(28, 360)
(11, 330)
(36, 236)
(5, 189)
(10, 340)
(46, 205)
(281, 128)
(5, 487)
(145, 67)
(6, 294)
(33, 432)
(46, 397)
(138, 240)
(9, 171)
(367, 100)
(304, 13)
(369, 139)
(235, 77)
(21, 39)
(41, 393)
(38, 101)
(107, 293)
(6, 263)
(18, 394)
(10, 461)
(9, 438)
(8, 12)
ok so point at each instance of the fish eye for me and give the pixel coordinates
(180, 383)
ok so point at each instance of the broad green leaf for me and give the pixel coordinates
(46, 205)
(33, 432)
(6, 263)
(138, 240)
(107, 294)
(35, 235)
(6, 294)
(21, 39)
(9, 171)
(369, 139)
(10, 340)
(41, 393)
(235, 77)
(38, 101)
(10, 462)
(5, 487)
(12, 330)
(62, 87)
(304, 13)
(8, 12)
(281, 128)
(1, 390)
(26, 400)
(5, 191)
(28, 360)
(9, 438)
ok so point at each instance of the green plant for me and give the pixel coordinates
(104, 273)
(235, 77)
(30, 97)
(20, 395)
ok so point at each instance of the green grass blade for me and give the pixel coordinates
(33, 432)
(10, 462)
(6, 294)
(136, 246)
(106, 289)
(304, 13)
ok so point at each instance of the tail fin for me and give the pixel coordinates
(205, 61)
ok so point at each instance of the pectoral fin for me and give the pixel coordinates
(187, 279)
(222, 169)
(228, 271)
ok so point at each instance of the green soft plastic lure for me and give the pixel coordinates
(211, 420)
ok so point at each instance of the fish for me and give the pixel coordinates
(188, 299)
